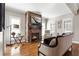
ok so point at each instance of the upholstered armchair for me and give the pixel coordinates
(48, 47)
(60, 46)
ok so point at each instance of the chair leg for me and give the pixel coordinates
(38, 53)
(41, 53)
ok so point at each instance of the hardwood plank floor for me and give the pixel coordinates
(31, 49)
(75, 49)
(24, 49)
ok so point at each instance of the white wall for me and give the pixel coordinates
(0, 37)
(1, 42)
(76, 28)
(10, 12)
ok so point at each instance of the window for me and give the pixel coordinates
(68, 25)
(15, 21)
(51, 26)
(43, 28)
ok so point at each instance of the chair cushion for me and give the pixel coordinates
(52, 42)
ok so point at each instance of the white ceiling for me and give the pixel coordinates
(47, 9)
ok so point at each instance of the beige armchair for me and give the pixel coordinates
(64, 43)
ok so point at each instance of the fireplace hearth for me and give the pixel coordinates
(35, 37)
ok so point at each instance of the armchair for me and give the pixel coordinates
(49, 46)
(63, 43)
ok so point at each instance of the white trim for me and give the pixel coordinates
(76, 42)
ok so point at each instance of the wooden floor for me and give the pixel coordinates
(31, 49)
(75, 49)
(24, 49)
